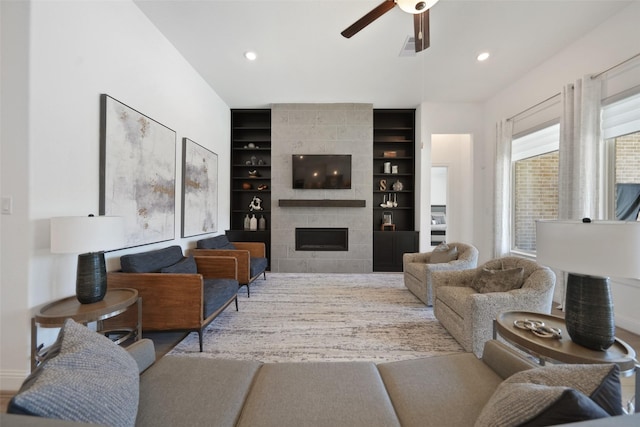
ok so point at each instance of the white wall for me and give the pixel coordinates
(50, 143)
(611, 43)
(15, 234)
(606, 45)
(439, 184)
(455, 152)
(449, 119)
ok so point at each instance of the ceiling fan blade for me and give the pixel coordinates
(421, 30)
(369, 18)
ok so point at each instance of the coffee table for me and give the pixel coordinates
(563, 350)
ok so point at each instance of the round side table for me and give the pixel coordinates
(115, 302)
(563, 350)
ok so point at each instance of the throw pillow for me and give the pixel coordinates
(151, 261)
(85, 377)
(537, 405)
(443, 253)
(487, 280)
(555, 394)
(217, 242)
(601, 382)
(185, 266)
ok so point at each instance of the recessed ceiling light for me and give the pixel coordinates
(250, 55)
(483, 56)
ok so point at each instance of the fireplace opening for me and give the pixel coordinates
(322, 239)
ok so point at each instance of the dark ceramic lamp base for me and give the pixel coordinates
(91, 280)
(589, 312)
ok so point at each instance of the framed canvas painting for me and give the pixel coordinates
(199, 189)
(137, 172)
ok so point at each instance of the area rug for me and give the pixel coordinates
(324, 317)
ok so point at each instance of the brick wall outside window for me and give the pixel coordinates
(628, 158)
(627, 152)
(536, 196)
(536, 187)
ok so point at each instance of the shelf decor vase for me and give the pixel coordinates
(253, 223)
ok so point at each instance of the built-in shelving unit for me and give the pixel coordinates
(393, 178)
(250, 172)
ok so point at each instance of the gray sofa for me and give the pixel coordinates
(451, 390)
(178, 293)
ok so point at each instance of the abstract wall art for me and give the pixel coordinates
(137, 172)
(199, 189)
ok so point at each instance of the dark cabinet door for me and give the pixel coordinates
(383, 250)
(389, 246)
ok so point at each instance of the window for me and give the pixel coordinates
(534, 166)
(621, 134)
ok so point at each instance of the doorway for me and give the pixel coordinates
(439, 191)
(451, 156)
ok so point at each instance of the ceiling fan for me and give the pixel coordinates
(419, 9)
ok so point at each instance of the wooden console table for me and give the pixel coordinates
(115, 302)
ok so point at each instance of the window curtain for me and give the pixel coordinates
(502, 196)
(580, 171)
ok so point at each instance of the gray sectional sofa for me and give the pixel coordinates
(451, 390)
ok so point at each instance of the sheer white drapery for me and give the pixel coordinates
(580, 171)
(502, 196)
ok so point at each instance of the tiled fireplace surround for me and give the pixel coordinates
(322, 129)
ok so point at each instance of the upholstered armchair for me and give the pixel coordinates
(251, 256)
(467, 302)
(417, 267)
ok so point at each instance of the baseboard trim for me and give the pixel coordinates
(11, 380)
(627, 323)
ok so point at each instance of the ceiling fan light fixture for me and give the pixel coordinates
(415, 7)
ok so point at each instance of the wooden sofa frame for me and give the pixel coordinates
(175, 301)
(243, 253)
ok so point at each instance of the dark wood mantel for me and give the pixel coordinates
(321, 203)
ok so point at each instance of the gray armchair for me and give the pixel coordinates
(417, 269)
(468, 314)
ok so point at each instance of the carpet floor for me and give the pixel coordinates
(324, 317)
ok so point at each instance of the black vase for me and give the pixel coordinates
(589, 312)
(91, 279)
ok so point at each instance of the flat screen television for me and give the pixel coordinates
(321, 171)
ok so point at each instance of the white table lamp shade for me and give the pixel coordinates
(89, 237)
(598, 248)
(590, 252)
(83, 234)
